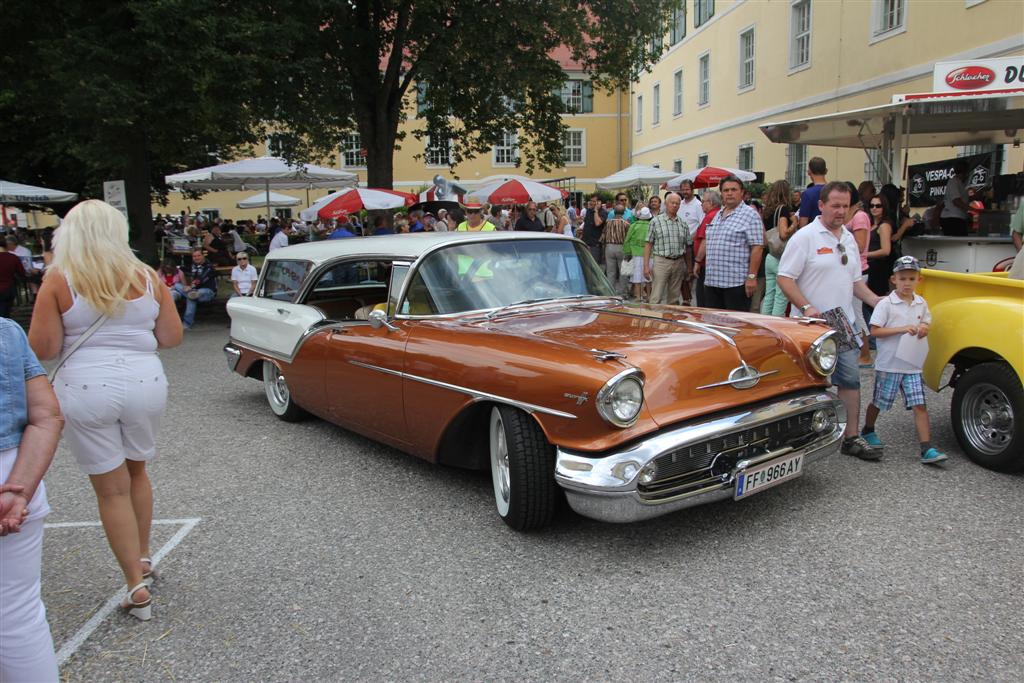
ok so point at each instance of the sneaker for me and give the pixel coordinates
(932, 456)
(872, 439)
(859, 448)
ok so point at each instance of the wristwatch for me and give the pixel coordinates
(751, 277)
(803, 309)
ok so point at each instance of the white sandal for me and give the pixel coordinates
(153, 575)
(143, 611)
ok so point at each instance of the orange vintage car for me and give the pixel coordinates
(510, 351)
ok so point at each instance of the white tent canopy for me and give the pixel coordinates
(635, 175)
(258, 201)
(16, 193)
(266, 172)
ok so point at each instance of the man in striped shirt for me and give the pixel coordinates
(613, 236)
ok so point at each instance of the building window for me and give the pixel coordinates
(890, 15)
(678, 29)
(439, 154)
(656, 105)
(745, 158)
(800, 34)
(702, 160)
(639, 113)
(677, 166)
(704, 96)
(572, 147)
(352, 153)
(506, 153)
(677, 93)
(796, 165)
(578, 96)
(702, 11)
(747, 59)
(421, 98)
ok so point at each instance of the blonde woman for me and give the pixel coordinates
(112, 389)
(562, 226)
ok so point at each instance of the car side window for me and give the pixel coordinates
(284, 279)
(350, 289)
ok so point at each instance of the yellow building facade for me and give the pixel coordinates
(596, 144)
(730, 66)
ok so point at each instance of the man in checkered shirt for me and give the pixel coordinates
(665, 254)
(732, 251)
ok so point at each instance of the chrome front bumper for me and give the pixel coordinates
(606, 486)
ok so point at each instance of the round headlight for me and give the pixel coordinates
(824, 354)
(620, 400)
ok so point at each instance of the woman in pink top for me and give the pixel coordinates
(858, 222)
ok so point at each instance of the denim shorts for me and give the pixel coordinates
(847, 374)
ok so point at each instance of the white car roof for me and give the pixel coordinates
(408, 245)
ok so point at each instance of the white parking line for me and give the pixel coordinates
(69, 648)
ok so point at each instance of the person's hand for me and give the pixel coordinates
(647, 269)
(749, 287)
(13, 510)
(811, 312)
(922, 330)
(697, 267)
(910, 329)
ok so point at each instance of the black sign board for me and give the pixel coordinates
(927, 182)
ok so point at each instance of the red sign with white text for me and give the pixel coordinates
(970, 77)
(980, 75)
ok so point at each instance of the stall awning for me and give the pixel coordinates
(927, 122)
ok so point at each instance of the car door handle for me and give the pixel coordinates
(283, 311)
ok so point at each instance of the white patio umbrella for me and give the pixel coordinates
(266, 172)
(634, 176)
(268, 199)
(16, 193)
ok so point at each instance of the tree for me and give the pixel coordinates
(483, 69)
(132, 90)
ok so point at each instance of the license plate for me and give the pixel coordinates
(757, 479)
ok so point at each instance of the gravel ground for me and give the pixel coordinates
(323, 556)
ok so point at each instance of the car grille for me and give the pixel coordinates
(708, 463)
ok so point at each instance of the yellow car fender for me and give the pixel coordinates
(992, 325)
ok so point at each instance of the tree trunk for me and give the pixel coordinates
(380, 159)
(137, 196)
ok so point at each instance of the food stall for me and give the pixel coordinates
(985, 109)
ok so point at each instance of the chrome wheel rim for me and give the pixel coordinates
(500, 475)
(988, 418)
(277, 388)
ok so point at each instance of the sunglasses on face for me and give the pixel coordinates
(242, 259)
(875, 206)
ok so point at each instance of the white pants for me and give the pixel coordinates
(26, 646)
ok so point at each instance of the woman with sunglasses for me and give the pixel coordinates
(879, 253)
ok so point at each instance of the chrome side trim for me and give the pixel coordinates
(233, 355)
(477, 395)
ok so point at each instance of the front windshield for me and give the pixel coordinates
(487, 275)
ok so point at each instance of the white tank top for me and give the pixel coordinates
(132, 330)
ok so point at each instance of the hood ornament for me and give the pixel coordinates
(743, 377)
(601, 354)
(579, 398)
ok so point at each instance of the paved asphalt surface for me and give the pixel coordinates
(323, 556)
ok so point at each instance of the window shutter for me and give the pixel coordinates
(588, 97)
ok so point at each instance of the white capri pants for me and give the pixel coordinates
(112, 404)
(26, 646)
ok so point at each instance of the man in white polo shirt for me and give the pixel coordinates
(820, 274)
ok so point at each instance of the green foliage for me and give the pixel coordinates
(487, 68)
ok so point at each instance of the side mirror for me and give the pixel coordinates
(379, 319)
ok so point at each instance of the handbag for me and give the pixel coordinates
(626, 268)
(776, 245)
(74, 347)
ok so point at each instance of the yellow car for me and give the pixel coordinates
(978, 327)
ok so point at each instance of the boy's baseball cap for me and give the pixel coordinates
(906, 263)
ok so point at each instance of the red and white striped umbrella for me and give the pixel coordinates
(517, 192)
(709, 176)
(354, 200)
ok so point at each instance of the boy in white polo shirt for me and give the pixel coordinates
(902, 312)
